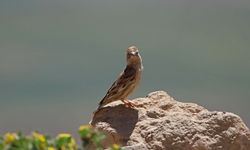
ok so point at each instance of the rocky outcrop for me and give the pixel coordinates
(161, 123)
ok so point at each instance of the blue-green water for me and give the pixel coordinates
(58, 58)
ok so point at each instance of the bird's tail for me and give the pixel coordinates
(97, 109)
(100, 105)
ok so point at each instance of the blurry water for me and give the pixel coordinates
(58, 58)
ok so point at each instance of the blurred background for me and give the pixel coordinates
(59, 57)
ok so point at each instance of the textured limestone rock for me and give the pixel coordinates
(160, 122)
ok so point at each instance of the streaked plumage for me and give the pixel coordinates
(127, 81)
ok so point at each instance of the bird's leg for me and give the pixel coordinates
(129, 103)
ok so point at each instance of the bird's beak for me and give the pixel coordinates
(134, 53)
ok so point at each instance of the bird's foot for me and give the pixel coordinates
(129, 104)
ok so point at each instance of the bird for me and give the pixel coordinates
(127, 81)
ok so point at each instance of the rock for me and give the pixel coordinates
(161, 123)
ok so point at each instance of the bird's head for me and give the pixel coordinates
(133, 56)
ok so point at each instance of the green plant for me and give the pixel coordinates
(37, 141)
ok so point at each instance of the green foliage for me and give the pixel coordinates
(90, 135)
(37, 141)
(1, 143)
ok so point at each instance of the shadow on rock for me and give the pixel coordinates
(120, 119)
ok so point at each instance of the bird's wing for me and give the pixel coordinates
(126, 77)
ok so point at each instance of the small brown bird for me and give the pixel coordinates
(127, 81)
